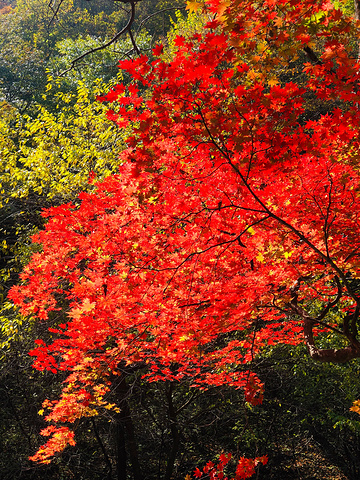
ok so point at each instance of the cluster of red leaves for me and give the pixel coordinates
(245, 468)
(185, 263)
(60, 438)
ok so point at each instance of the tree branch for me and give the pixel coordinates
(335, 355)
(127, 28)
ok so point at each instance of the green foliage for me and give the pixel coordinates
(157, 16)
(347, 6)
(22, 65)
(305, 409)
(101, 65)
(43, 28)
(31, 40)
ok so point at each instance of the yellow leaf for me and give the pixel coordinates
(87, 305)
(194, 6)
(260, 257)
(272, 82)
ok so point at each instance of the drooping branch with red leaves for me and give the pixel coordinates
(233, 223)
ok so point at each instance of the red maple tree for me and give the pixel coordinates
(233, 222)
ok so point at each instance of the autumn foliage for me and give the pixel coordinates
(232, 224)
(245, 468)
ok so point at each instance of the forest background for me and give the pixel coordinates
(53, 134)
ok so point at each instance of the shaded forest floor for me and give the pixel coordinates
(304, 462)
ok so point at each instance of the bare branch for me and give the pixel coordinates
(312, 55)
(55, 10)
(331, 304)
(127, 28)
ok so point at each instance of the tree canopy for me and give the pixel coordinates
(231, 226)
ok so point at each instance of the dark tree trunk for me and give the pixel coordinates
(121, 457)
(126, 444)
(174, 433)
